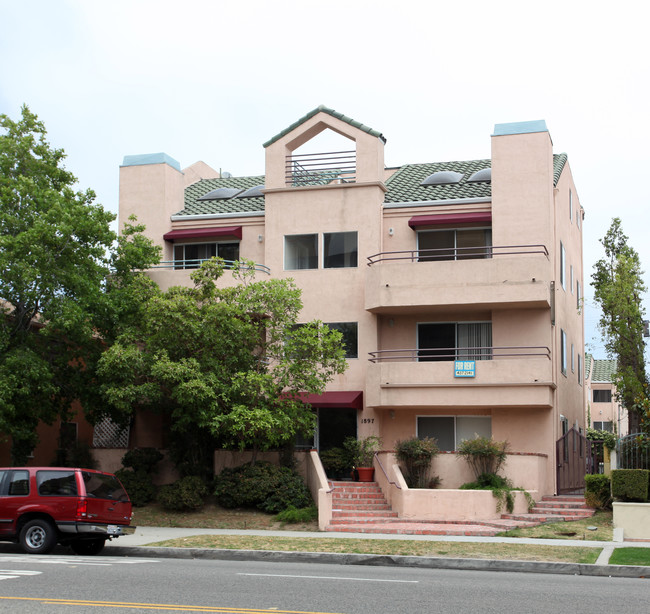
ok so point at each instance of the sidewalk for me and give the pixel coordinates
(138, 545)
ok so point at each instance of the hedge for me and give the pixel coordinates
(631, 484)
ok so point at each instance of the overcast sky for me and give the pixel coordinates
(213, 80)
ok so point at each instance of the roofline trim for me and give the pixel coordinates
(216, 216)
(449, 201)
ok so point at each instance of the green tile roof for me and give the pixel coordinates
(333, 113)
(603, 370)
(403, 186)
(193, 206)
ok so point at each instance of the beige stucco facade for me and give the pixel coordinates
(525, 288)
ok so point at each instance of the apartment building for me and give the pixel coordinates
(457, 285)
(604, 410)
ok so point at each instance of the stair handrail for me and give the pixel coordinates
(385, 474)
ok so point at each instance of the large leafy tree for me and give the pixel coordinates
(230, 362)
(56, 254)
(618, 284)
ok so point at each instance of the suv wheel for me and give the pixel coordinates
(88, 547)
(38, 536)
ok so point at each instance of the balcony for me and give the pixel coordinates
(170, 273)
(320, 168)
(511, 376)
(489, 277)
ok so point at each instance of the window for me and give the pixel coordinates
(579, 369)
(571, 277)
(449, 431)
(604, 426)
(300, 252)
(14, 483)
(564, 426)
(563, 352)
(191, 255)
(562, 265)
(458, 244)
(602, 396)
(52, 483)
(339, 250)
(452, 340)
(571, 205)
(578, 295)
(573, 365)
(349, 330)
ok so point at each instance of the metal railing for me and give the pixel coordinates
(468, 353)
(457, 253)
(633, 452)
(321, 168)
(195, 263)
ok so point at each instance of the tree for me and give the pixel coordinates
(618, 286)
(228, 361)
(55, 260)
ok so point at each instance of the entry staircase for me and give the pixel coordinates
(360, 507)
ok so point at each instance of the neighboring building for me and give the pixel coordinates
(423, 265)
(604, 410)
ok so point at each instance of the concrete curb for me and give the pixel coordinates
(573, 569)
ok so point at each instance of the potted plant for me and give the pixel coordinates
(337, 463)
(362, 452)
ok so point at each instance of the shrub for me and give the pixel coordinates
(336, 462)
(630, 484)
(608, 439)
(265, 486)
(188, 493)
(598, 491)
(501, 488)
(484, 455)
(142, 460)
(78, 455)
(416, 455)
(293, 516)
(362, 451)
(138, 485)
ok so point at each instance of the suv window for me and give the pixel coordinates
(103, 486)
(56, 483)
(14, 483)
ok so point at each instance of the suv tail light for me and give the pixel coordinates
(82, 508)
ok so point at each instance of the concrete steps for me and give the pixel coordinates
(360, 507)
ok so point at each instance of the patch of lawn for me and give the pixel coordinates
(213, 516)
(576, 529)
(630, 556)
(518, 552)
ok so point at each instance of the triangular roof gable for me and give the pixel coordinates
(333, 113)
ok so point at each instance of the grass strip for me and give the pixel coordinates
(518, 552)
(630, 556)
(577, 529)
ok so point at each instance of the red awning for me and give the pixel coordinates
(345, 398)
(200, 233)
(450, 218)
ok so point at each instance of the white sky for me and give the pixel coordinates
(213, 80)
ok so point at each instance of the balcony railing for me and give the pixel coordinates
(321, 168)
(457, 253)
(468, 353)
(178, 265)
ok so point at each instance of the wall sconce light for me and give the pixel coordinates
(391, 322)
(391, 231)
(391, 413)
(260, 238)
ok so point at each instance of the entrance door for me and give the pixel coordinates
(334, 425)
(573, 461)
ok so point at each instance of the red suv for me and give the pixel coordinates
(43, 506)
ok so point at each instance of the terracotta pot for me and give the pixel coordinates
(366, 474)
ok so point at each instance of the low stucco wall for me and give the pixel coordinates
(443, 503)
(633, 518)
(319, 487)
(110, 460)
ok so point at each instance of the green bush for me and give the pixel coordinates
(138, 485)
(416, 455)
(265, 486)
(78, 455)
(337, 462)
(293, 516)
(631, 484)
(608, 439)
(598, 491)
(483, 454)
(501, 488)
(362, 451)
(188, 493)
(142, 460)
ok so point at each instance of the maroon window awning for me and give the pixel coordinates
(450, 218)
(203, 233)
(344, 398)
